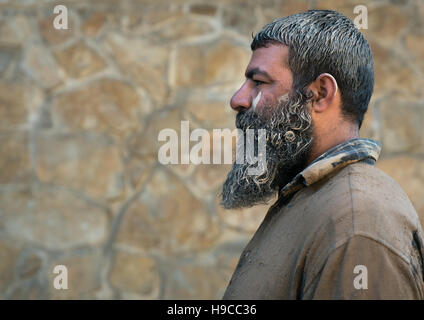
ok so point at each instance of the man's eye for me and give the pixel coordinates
(258, 82)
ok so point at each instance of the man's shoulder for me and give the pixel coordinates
(375, 196)
(360, 187)
(361, 199)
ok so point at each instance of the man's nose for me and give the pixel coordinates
(241, 100)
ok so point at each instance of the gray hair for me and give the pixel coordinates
(325, 41)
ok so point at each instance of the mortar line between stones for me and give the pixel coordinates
(107, 248)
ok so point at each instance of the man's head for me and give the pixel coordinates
(308, 83)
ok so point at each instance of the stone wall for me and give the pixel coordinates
(80, 112)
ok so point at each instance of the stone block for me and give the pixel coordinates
(105, 105)
(94, 24)
(203, 9)
(83, 277)
(9, 254)
(13, 109)
(143, 62)
(14, 158)
(244, 220)
(51, 218)
(240, 17)
(166, 217)
(221, 62)
(89, 163)
(40, 64)
(55, 36)
(195, 282)
(135, 274)
(401, 124)
(79, 61)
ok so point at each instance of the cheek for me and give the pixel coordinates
(263, 101)
(256, 100)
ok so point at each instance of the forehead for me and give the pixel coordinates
(273, 60)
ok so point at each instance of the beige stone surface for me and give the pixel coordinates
(246, 220)
(40, 64)
(158, 15)
(241, 18)
(414, 44)
(105, 105)
(222, 62)
(9, 253)
(30, 266)
(189, 282)
(167, 217)
(14, 159)
(142, 147)
(225, 62)
(34, 291)
(89, 163)
(83, 277)
(55, 36)
(345, 7)
(182, 29)
(210, 114)
(203, 9)
(393, 74)
(143, 62)
(370, 125)
(136, 274)
(148, 143)
(189, 65)
(16, 30)
(13, 110)
(20, 105)
(387, 22)
(94, 24)
(51, 218)
(402, 126)
(9, 59)
(79, 60)
(208, 178)
(284, 8)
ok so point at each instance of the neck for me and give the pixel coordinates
(324, 142)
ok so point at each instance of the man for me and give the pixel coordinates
(341, 228)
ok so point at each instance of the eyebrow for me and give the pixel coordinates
(250, 73)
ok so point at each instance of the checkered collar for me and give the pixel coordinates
(354, 150)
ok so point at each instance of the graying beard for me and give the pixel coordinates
(277, 120)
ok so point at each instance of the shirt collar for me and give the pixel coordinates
(354, 150)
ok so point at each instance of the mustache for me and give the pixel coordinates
(249, 120)
(282, 123)
(291, 113)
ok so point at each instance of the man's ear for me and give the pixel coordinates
(324, 88)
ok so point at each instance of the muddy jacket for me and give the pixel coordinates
(342, 229)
